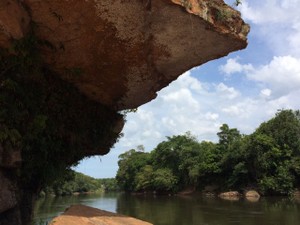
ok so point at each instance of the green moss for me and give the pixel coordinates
(45, 117)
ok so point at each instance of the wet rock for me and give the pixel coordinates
(230, 195)
(252, 196)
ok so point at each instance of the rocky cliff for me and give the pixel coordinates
(69, 66)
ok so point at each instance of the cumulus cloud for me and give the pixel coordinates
(270, 11)
(232, 66)
(256, 13)
(226, 92)
(279, 77)
(282, 75)
(178, 108)
(265, 93)
(182, 107)
(276, 23)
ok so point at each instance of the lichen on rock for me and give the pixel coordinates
(223, 17)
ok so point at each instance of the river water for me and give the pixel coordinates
(180, 210)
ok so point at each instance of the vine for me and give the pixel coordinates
(46, 118)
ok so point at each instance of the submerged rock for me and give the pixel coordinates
(252, 194)
(85, 215)
(296, 195)
(230, 195)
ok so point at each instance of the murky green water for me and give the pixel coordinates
(177, 210)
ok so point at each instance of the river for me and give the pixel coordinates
(180, 210)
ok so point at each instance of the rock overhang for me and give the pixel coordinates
(120, 53)
(116, 52)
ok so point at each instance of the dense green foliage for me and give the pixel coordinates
(44, 117)
(80, 183)
(267, 160)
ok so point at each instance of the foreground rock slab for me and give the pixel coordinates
(85, 215)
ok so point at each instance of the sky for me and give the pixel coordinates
(242, 90)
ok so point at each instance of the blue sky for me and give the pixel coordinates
(243, 89)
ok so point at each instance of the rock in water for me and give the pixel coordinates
(85, 215)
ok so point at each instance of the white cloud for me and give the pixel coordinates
(281, 75)
(256, 13)
(265, 93)
(226, 92)
(181, 107)
(211, 116)
(232, 66)
(270, 11)
(276, 23)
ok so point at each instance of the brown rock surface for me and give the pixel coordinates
(125, 51)
(14, 21)
(85, 215)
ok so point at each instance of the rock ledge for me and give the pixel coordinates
(85, 215)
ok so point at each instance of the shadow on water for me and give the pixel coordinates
(49, 207)
(181, 210)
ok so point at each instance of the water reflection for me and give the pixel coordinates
(200, 210)
(182, 210)
(50, 207)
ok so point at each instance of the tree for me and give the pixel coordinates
(270, 165)
(130, 163)
(178, 154)
(274, 153)
(164, 180)
(208, 163)
(284, 128)
(231, 158)
(268, 159)
(144, 179)
(227, 136)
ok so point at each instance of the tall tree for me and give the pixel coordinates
(130, 163)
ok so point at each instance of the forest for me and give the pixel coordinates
(75, 182)
(268, 160)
